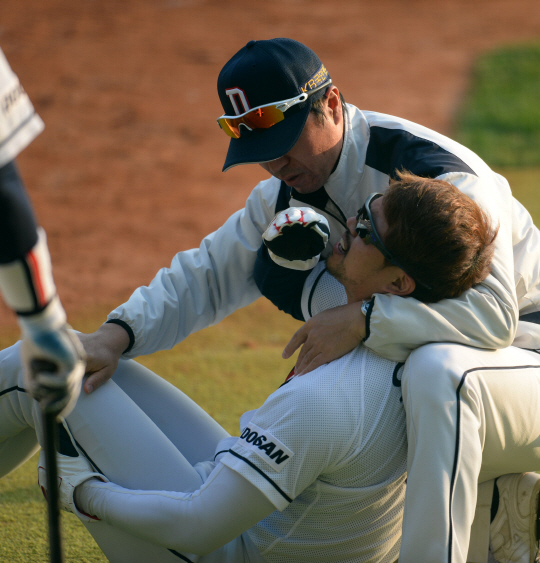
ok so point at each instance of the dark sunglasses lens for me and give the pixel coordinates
(362, 214)
(362, 231)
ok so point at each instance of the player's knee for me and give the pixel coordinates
(431, 371)
(10, 367)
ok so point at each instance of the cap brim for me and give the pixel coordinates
(263, 145)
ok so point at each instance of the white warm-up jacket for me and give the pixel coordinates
(204, 285)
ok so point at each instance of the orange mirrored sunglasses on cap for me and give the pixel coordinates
(262, 117)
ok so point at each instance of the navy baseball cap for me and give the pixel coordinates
(264, 72)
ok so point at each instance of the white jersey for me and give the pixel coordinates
(329, 451)
(19, 123)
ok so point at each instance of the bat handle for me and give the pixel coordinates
(50, 431)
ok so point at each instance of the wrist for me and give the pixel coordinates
(50, 319)
(115, 337)
(81, 499)
(127, 329)
(360, 321)
(366, 307)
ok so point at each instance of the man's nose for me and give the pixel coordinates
(351, 225)
(275, 166)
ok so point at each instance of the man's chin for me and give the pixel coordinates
(332, 267)
(302, 184)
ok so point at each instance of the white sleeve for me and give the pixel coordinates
(485, 316)
(19, 123)
(223, 508)
(297, 436)
(203, 285)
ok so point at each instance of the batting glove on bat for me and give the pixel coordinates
(72, 470)
(53, 359)
(296, 237)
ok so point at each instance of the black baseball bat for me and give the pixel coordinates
(50, 438)
(50, 446)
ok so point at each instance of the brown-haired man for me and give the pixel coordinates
(466, 423)
(446, 237)
(443, 239)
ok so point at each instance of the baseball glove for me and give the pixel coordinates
(296, 237)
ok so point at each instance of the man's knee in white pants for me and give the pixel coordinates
(18, 413)
(430, 380)
(17, 408)
(432, 370)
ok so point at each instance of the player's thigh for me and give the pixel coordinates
(126, 445)
(431, 378)
(509, 390)
(18, 411)
(193, 431)
(437, 373)
(494, 393)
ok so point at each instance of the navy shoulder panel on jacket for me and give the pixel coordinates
(392, 150)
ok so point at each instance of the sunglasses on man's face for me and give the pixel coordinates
(262, 117)
(365, 227)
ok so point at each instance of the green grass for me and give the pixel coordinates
(227, 369)
(500, 116)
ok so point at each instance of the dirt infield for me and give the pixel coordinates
(128, 170)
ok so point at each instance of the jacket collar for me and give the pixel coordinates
(343, 186)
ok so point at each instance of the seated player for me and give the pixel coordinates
(318, 471)
(454, 441)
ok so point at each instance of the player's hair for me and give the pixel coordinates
(439, 235)
(317, 107)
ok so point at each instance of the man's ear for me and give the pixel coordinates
(334, 104)
(402, 285)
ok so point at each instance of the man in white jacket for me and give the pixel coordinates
(283, 112)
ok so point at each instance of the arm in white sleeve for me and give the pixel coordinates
(203, 285)
(19, 123)
(484, 316)
(223, 508)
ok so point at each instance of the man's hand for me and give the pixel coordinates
(103, 349)
(53, 359)
(327, 336)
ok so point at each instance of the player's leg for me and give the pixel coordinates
(158, 398)
(102, 426)
(137, 452)
(18, 440)
(120, 438)
(470, 416)
(126, 444)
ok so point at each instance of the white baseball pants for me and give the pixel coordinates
(141, 431)
(472, 415)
